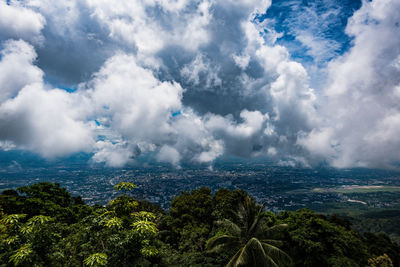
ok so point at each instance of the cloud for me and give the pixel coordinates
(201, 67)
(32, 116)
(361, 109)
(16, 68)
(243, 139)
(137, 108)
(131, 100)
(74, 44)
(205, 61)
(182, 81)
(112, 154)
(152, 25)
(44, 121)
(19, 22)
(169, 154)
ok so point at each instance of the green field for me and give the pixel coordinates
(365, 218)
(358, 189)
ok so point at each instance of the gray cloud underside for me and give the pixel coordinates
(191, 81)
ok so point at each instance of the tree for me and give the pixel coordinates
(225, 203)
(46, 199)
(312, 240)
(380, 244)
(250, 238)
(27, 241)
(125, 186)
(123, 205)
(381, 261)
(190, 220)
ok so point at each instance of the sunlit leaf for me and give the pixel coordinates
(96, 259)
(39, 219)
(126, 186)
(21, 255)
(114, 222)
(144, 215)
(145, 228)
(26, 229)
(11, 240)
(149, 251)
(12, 219)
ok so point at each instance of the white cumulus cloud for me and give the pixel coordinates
(20, 22)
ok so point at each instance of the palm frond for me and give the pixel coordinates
(277, 254)
(217, 242)
(257, 226)
(241, 212)
(273, 242)
(249, 229)
(244, 257)
(253, 254)
(232, 262)
(261, 257)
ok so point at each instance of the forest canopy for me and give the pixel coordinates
(44, 225)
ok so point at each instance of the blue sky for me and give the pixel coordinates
(325, 21)
(299, 83)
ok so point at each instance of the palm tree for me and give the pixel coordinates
(250, 238)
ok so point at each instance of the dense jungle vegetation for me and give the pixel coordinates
(43, 225)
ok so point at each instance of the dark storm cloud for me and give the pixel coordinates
(75, 45)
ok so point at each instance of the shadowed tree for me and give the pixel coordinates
(250, 238)
(381, 261)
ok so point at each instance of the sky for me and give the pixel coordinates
(297, 82)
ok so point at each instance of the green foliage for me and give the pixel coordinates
(194, 207)
(379, 244)
(44, 199)
(114, 223)
(12, 219)
(145, 229)
(190, 219)
(124, 186)
(381, 261)
(249, 238)
(149, 251)
(314, 241)
(144, 215)
(39, 219)
(225, 203)
(21, 255)
(123, 205)
(42, 225)
(47, 192)
(96, 260)
(30, 240)
(40, 239)
(10, 240)
(387, 221)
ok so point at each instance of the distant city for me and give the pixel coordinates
(281, 188)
